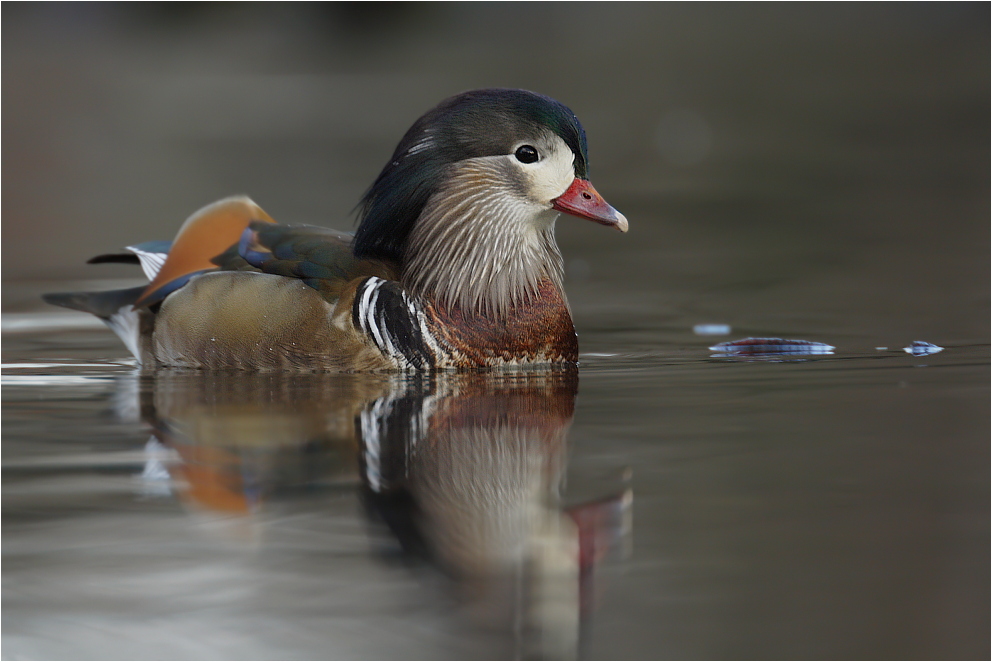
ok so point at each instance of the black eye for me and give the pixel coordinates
(526, 154)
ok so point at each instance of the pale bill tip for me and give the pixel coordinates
(621, 222)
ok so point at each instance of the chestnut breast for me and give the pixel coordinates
(538, 330)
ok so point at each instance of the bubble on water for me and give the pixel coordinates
(920, 348)
(771, 346)
(711, 329)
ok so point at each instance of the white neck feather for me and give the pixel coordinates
(481, 244)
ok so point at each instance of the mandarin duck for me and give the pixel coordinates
(453, 265)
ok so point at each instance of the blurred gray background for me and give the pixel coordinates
(747, 144)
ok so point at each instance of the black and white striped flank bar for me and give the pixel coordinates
(395, 323)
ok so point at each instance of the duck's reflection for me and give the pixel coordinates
(465, 470)
(241, 439)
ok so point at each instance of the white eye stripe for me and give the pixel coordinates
(552, 173)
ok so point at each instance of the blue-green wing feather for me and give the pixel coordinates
(322, 258)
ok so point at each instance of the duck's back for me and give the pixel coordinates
(238, 291)
(279, 299)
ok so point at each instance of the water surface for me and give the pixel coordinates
(678, 506)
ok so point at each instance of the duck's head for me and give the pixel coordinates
(467, 204)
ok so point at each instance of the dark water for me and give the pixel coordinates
(818, 174)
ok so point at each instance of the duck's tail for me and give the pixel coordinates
(115, 308)
(168, 265)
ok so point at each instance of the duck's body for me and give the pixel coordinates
(454, 264)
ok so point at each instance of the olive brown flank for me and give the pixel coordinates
(539, 329)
